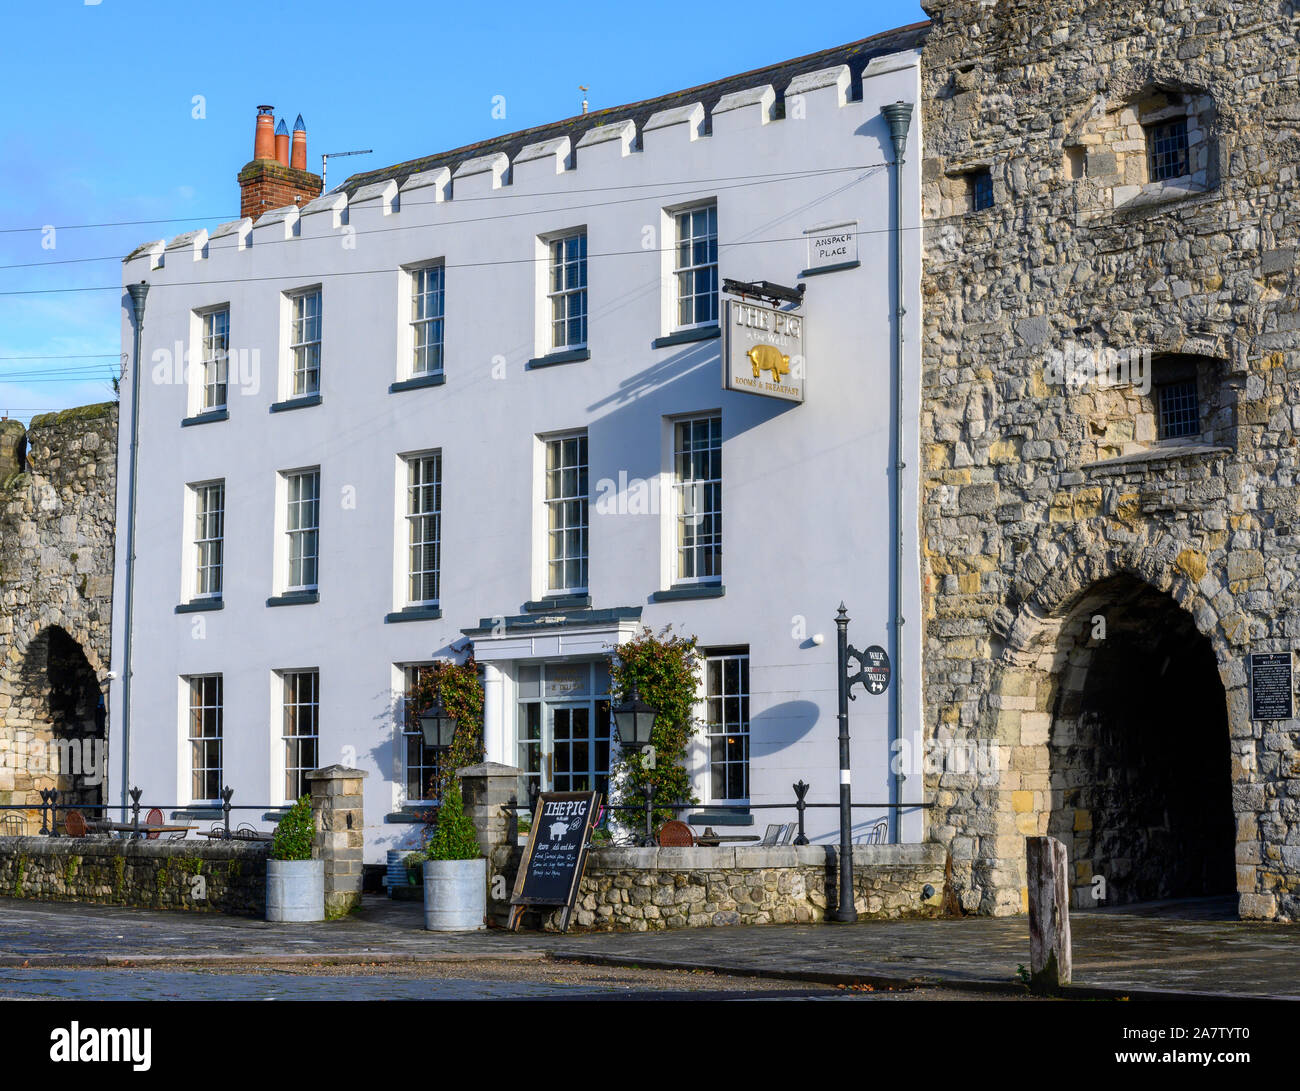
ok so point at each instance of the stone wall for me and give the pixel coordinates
(220, 877)
(57, 494)
(651, 889)
(1052, 499)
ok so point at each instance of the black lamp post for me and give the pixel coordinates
(846, 912)
(635, 721)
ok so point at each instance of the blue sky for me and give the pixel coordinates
(99, 122)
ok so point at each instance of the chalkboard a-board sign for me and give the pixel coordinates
(1271, 686)
(556, 853)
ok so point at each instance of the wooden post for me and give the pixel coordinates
(1050, 961)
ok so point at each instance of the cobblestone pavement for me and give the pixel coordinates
(472, 980)
(1115, 951)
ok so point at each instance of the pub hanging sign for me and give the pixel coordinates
(763, 351)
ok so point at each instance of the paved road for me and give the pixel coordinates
(1121, 951)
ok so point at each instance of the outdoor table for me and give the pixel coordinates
(131, 828)
(714, 840)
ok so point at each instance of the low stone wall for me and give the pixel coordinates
(651, 889)
(220, 877)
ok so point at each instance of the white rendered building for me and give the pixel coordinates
(364, 486)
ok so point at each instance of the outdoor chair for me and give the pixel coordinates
(153, 818)
(772, 835)
(13, 825)
(245, 832)
(878, 832)
(676, 834)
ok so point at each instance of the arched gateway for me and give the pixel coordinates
(56, 563)
(1109, 714)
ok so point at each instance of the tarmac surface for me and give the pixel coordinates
(1178, 949)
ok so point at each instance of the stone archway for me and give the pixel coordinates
(1140, 787)
(1051, 703)
(56, 721)
(57, 487)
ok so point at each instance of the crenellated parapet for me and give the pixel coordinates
(559, 158)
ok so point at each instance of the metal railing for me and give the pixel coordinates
(51, 805)
(800, 806)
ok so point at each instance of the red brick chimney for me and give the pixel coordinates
(276, 176)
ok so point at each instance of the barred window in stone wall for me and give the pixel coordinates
(205, 737)
(1167, 150)
(1179, 410)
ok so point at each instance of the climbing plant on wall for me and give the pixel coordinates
(663, 668)
(462, 696)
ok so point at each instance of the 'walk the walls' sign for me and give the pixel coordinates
(762, 351)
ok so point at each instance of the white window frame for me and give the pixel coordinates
(214, 354)
(411, 740)
(293, 711)
(551, 504)
(430, 318)
(416, 525)
(716, 726)
(692, 268)
(299, 537)
(305, 342)
(197, 709)
(208, 536)
(686, 516)
(566, 289)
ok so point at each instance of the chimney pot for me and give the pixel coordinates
(264, 134)
(298, 153)
(282, 143)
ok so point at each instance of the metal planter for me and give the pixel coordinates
(295, 890)
(455, 895)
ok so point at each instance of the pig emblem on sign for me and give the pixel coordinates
(558, 830)
(769, 358)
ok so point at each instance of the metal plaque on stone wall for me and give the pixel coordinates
(1271, 687)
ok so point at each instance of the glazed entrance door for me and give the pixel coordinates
(580, 746)
(564, 726)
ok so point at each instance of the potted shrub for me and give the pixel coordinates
(455, 875)
(295, 883)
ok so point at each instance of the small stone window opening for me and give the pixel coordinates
(1179, 410)
(1075, 163)
(1167, 150)
(981, 190)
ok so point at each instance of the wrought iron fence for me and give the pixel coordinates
(800, 806)
(51, 805)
